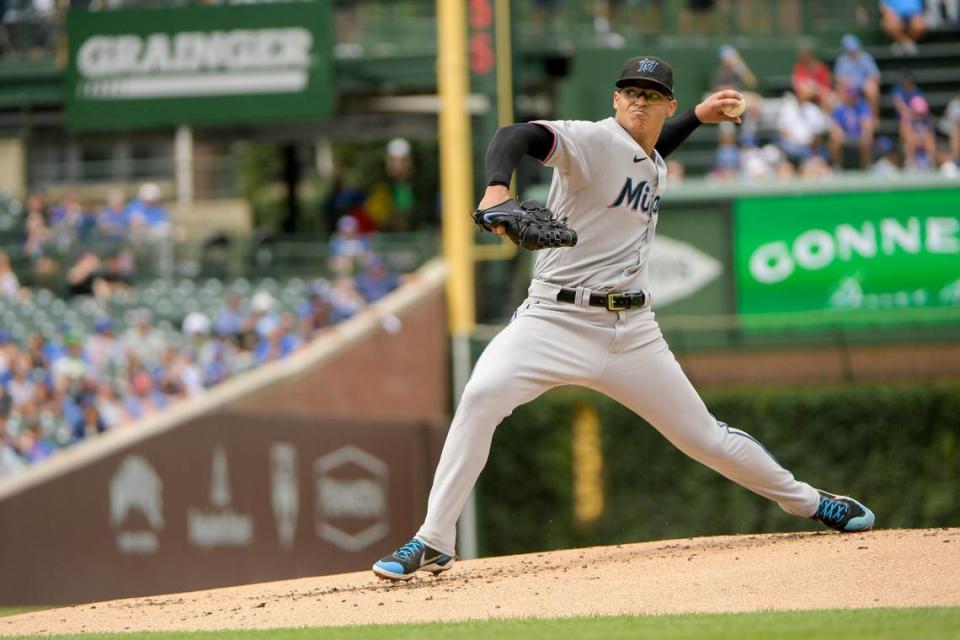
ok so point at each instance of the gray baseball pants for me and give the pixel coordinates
(620, 354)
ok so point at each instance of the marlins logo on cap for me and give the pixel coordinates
(647, 71)
(646, 65)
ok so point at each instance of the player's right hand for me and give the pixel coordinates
(710, 110)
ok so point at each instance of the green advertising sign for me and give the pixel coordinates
(199, 65)
(855, 254)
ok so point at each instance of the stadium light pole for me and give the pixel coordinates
(456, 184)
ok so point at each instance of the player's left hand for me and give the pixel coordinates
(710, 111)
(529, 225)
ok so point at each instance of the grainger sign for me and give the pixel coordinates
(199, 65)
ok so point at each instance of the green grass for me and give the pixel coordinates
(866, 624)
(12, 611)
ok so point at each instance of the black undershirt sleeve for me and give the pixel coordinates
(510, 144)
(675, 132)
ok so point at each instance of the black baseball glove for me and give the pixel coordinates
(530, 225)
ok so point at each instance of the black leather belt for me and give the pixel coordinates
(612, 301)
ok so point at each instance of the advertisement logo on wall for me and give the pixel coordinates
(678, 270)
(848, 252)
(136, 506)
(284, 491)
(352, 490)
(220, 526)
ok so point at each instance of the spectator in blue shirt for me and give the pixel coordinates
(70, 221)
(856, 68)
(726, 164)
(904, 22)
(277, 339)
(113, 221)
(231, 319)
(376, 282)
(33, 446)
(348, 247)
(853, 123)
(919, 143)
(90, 424)
(147, 211)
(54, 348)
(346, 300)
(903, 92)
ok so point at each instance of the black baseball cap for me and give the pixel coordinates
(647, 71)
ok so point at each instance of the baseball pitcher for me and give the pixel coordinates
(588, 319)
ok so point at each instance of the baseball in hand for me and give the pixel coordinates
(734, 110)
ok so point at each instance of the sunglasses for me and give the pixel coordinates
(633, 94)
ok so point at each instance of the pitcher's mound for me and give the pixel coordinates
(887, 568)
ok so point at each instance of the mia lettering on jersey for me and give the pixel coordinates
(639, 197)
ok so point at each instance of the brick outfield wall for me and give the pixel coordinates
(397, 373)
(823, 365)
(321, 472)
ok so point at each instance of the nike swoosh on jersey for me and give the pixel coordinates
(636, 159)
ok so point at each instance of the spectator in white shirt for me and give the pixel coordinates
(801, 124)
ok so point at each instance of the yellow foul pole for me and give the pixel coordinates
(504, 63)
(456, 180)
(456, 167)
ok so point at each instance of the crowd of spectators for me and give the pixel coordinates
(84, 249)
(62, 389)
(829, 122)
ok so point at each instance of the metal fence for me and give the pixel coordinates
(220, 256)
(213, 176)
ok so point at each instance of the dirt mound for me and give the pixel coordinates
(889, 568)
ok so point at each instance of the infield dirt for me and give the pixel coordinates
(886, 568)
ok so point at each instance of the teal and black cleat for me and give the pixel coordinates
(414, 556)
(843, 513)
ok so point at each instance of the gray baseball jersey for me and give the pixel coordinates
(609, 189)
